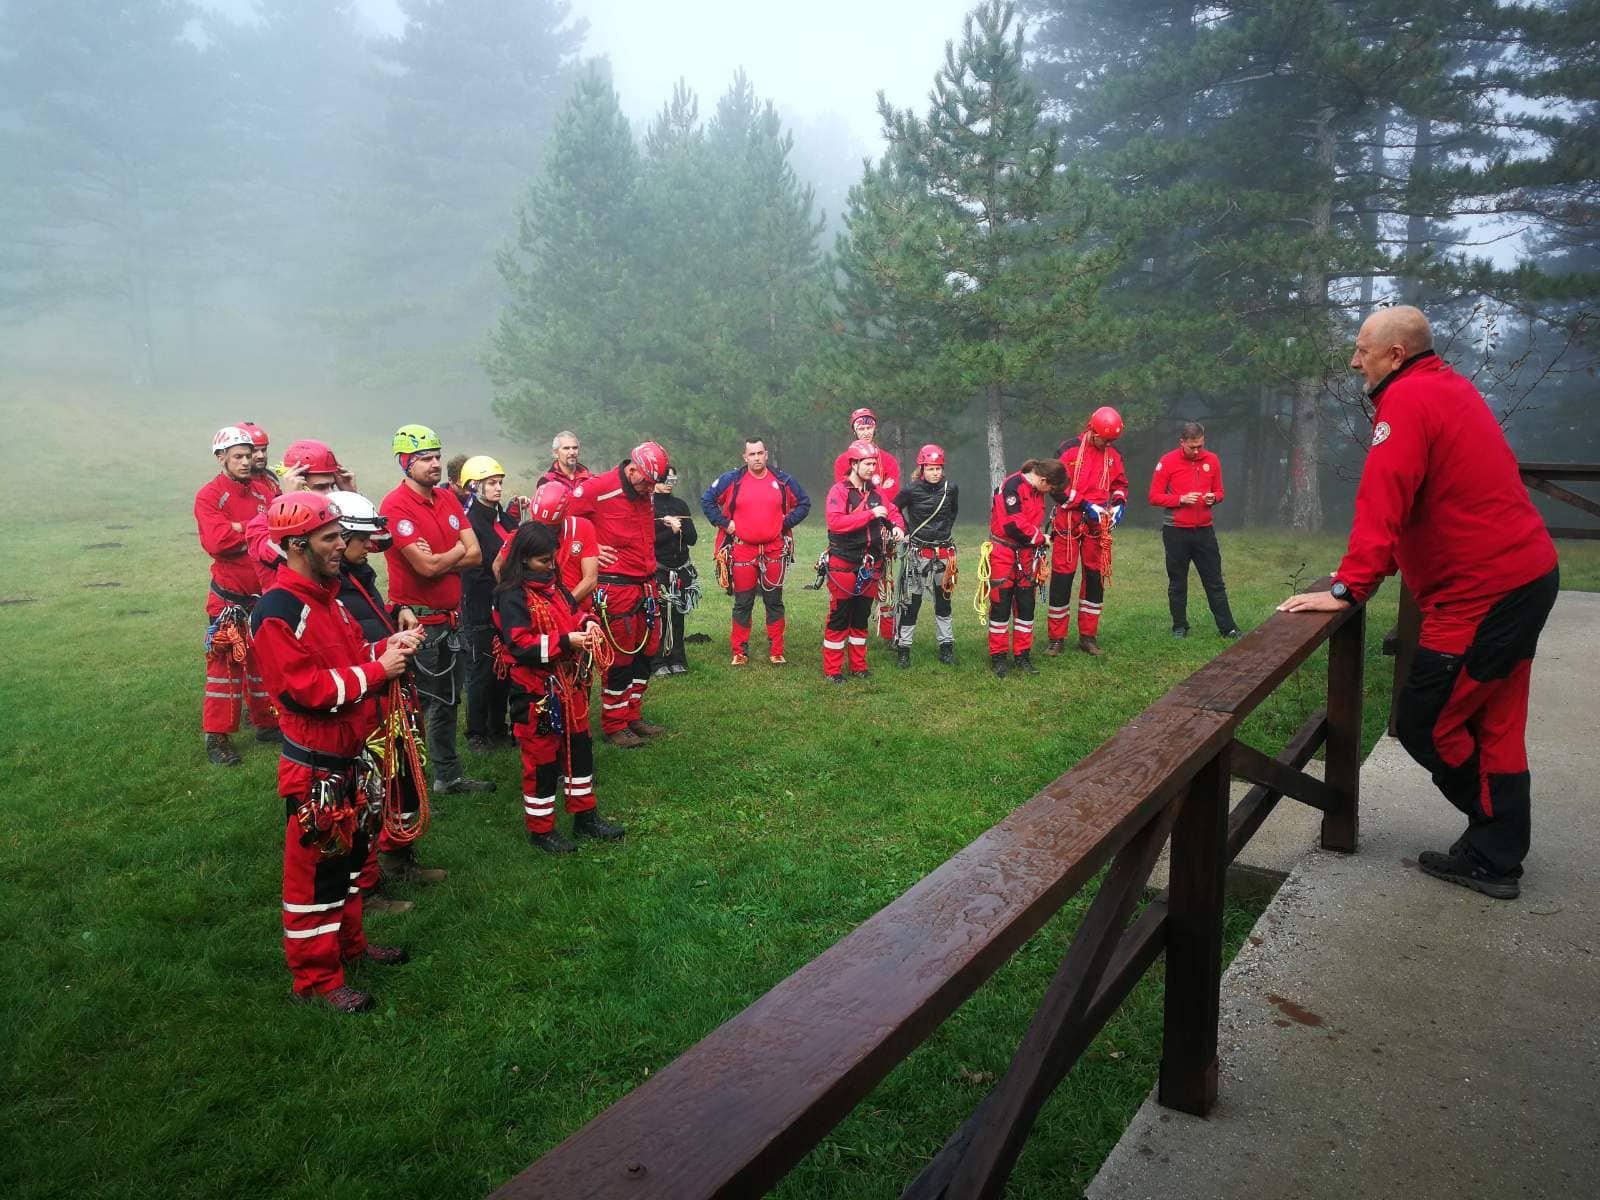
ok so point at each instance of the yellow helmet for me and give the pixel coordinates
(413, 439)
(480, 467)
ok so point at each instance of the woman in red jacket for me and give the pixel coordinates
(1017, 540)
(546, 646)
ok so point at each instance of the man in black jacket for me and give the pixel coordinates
(928, 503)
(488, 695)
(676, 577)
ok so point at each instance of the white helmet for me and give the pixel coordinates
(229, 436)
(357, 514)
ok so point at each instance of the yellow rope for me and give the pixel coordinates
(980, 599)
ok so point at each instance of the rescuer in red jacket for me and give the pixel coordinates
(888, 479)
(223, 509)
(1016, 546)
(546, 642)
(325, 677)
(620, 505)
(1097, 496)
(565, 468)
(577, 547)
(260, 470)
(1187, 482)
(862, 524)
(1442, 502)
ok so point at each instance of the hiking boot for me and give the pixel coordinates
(1025, 663)
(461, 786)
(1055, 647)
(382, 956)
(623, 739)
(680, 669)
(479, 744)
(902, 656)
(1233, 635)
(864, 673)
(777, 660)
(270, 737)
(1089, 646)
(552, 842)
(740, 660)
(834, 678)
(662, 670)
(645, 730)
(220, 751)
(1458, 868)
(344, 999)
(947, 653)
(402, 867)
(1182, 631)
(591, 824)
(998, 664)
(383, 906)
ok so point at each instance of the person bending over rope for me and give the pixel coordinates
(929, 505)
(862, 524)
(676, 578)
(1097, 496)
(325, 677)
(1016, 559)
(392, 858)
(619, 504)
(755, 509)
(547, 649)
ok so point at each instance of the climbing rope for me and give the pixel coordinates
(403, 763)
(980, 599)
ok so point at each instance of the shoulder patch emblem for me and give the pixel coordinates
(455, 521)
(1205, 466)
(405, 528)
(577, 547)
(578, 491)
(1380, 433)
(1011, 500)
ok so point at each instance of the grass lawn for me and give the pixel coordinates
(149, 1048)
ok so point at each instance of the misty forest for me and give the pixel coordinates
(1179, 209)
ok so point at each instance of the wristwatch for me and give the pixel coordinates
(1339, 592)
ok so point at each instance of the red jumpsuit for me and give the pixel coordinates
(231, 679)
(626, 600)
(857, 543)
(1016, 534)
(1093, 477)
(888, 480)
(324, 677)
(762, 512)
(549, 698)
(1442, 502)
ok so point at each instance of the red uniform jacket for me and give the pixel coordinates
(1016, 518)
(1093, 477)
(888, 480)
(535, 624)
(1175, 475)
(556, 475)
(217, 507)
(853, 532)
(321, 673)
(1440, 498)
(623, 519)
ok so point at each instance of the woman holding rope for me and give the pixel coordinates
(549, 651)
(929, 505)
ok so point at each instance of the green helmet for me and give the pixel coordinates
(413, 439)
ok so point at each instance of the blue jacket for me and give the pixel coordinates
(719, 497)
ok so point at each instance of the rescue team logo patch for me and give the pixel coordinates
(1380, 433)
(577, 547)
(1205, 466)
(1011, 501)
(455, 521)
(405, 528)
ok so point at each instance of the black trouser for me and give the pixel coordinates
(1198, 546)
(487, 694)
(438, 666)
(671, 652)
(1464, 718)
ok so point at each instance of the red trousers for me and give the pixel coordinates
(229, 684)
(1011, 598)
(321, 911)
(634, 638)
(757, 570)
(849, 612)
(1066, 552)
(548, 763)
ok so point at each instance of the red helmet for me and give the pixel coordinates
(1106, 422)
(258, 435)
(859, 450)
(296, 514)
(550, 502)
(314, 456)
(863, 414)
(650, 458)
(930, 456)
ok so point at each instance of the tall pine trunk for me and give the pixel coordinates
(1417, 222)
(994, 436)
(1305, 422)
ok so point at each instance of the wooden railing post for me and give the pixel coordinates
(1407, 629)
(1346, 665)
(1194, 943)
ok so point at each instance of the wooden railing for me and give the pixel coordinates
(734, 1113)
(1401, 641)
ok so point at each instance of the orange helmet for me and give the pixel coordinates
(296, 514)
(550, 502)
(1106, 422)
